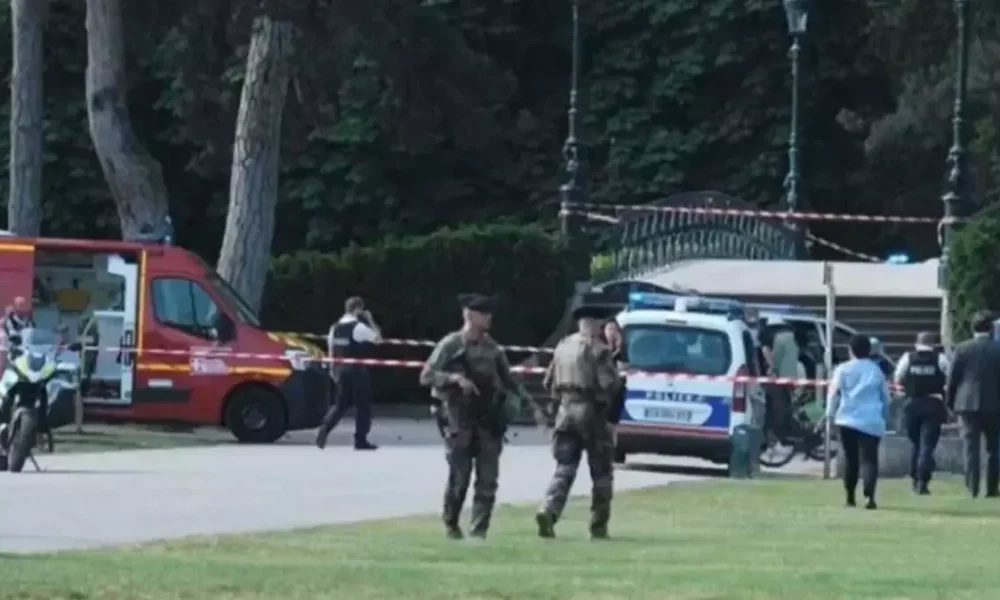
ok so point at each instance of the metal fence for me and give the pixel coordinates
(650, 241)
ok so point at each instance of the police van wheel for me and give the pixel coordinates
(619, 457)
(256, 416)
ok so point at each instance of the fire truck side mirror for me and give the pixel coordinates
(225, 329)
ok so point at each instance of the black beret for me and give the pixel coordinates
(591, 311)
(478, 302)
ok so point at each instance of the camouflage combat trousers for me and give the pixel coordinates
(568, 447)
(467, 451)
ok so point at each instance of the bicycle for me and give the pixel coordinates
(799, 435)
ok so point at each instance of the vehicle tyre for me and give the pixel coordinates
(22, 439)
(619, 457)
(256, 415)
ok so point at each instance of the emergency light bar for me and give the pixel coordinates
(651, 301)
(696, 304)
(735, 309)
(787, 309)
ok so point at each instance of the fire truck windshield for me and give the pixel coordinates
(236, 303)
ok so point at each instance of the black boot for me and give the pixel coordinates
(364, 445)
(321, 436)
(923, 488)
(546, 525)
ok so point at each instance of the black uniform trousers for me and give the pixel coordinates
(354, 388)
(924, 416)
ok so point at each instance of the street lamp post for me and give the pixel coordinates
(797, 14)
(954, 195)
(570, 191)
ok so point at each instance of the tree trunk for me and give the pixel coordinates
(134, 176)
(253, 184)
(27, 111)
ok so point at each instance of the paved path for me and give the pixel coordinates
(91, 500)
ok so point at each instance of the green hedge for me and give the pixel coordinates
(974, 269)
(411, 284)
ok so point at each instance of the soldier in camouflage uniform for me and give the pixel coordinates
(469, 374)
(584, 381)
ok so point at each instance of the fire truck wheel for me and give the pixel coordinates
(256, 416)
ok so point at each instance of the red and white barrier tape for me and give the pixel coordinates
(423, 343)
(763, 214)
(417, 364)
(842, 249)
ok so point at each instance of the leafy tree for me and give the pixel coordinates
(975, 271)
(253, 187)
(133, 174)
(24, 208)
(690, 95)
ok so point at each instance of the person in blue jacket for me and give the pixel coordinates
(858, 402)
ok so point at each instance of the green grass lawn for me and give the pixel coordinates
(740, 540)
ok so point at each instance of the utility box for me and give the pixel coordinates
(744, 456)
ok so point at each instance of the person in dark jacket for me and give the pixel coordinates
(973, 393)
(922, 374)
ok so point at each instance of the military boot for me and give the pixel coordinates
(546, 524)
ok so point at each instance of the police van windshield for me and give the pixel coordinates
(678, 349)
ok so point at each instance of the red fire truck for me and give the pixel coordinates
(174, 342)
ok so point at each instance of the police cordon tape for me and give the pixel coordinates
(577, 208)
(419, 343)
(217, 353)
(842, 249)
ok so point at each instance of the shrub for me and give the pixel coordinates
(411, 284)
(974, 271)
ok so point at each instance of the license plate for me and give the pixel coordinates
(669, 414)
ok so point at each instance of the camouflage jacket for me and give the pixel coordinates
(483, 362)
(583, 378)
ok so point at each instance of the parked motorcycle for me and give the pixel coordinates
(37, 372)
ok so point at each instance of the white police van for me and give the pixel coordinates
(683, 399)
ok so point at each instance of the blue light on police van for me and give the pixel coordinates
(695, 304)
(898, 258)
(650, 300)
(784, 309)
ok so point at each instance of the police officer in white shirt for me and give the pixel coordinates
(351, 338)
(923, 373)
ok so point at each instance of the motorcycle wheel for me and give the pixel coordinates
(22, 439)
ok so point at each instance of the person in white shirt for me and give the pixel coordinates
(350, 339)
(17, 317)
(923, 374)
